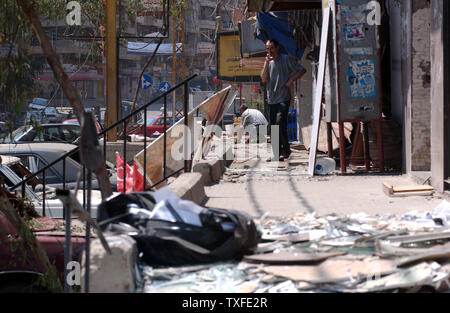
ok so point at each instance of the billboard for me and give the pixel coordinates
(229, 60)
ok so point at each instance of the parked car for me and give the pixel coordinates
(41, 105)
(154, 124)
(53, 116)
(37, 103)
(64, 133)
(74, 121)
(13, 171)
(36, 156)
(19, 272)
(32, 117)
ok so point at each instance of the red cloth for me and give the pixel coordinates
(120, 175)
(138, 178)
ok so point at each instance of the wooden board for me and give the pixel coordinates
(433, 255)
(213, 118)
(289, 257)
(294, 238)
(332, 270)
(319, 90)
(391, 190)
(322, 144)
(209, 109)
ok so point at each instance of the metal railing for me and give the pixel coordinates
(123, 121)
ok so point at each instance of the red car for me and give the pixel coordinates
(19, 269)
(154, 124)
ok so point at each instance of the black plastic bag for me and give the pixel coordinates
(224, 234)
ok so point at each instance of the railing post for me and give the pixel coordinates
(145, 148)
(64, 185)
(64, 173)
(104, 146)
(88, 230)
(165, 140)
(186, 124)
(124, 157)
(84, 187)
(68, 248)
(43, 194)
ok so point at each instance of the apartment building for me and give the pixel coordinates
(83, 57)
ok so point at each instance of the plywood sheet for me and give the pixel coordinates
(289, 257)
(210, 109)
(333, 270)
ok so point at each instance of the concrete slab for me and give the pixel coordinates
(205, 170)
(189, 186)
(113, 273)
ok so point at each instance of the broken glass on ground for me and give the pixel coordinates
(356, 253)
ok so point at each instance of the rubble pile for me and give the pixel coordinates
(329, 253)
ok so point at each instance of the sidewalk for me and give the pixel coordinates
(284, 188)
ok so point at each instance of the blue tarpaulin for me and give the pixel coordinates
(275, 25)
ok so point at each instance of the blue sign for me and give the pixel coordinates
(146, 81)
(164, 87)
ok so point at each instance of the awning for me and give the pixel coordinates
(145, 48)
(275, 25)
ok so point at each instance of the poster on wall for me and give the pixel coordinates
(358, 62)
(354, 32)
(361, 79)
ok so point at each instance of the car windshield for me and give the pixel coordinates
(150, 120)
(50, 110)
(39, 101)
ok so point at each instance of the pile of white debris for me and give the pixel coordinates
(329, 253)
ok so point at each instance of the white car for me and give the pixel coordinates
(12, 172)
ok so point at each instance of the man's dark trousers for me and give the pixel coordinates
(278, 116)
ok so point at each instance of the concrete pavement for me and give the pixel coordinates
(283, 188)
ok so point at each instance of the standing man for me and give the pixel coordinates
(279, 74)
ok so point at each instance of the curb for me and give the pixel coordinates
(189, 186)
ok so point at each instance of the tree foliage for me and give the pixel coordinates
(19, 67)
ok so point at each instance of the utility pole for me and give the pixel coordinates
(179, 61)
(111, 68)
(218, 30)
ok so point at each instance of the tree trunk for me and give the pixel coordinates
(63, 80)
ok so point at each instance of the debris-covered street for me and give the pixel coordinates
(314, 243)
(213, 147)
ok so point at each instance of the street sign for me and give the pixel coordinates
(146, 81)
(164, 87)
